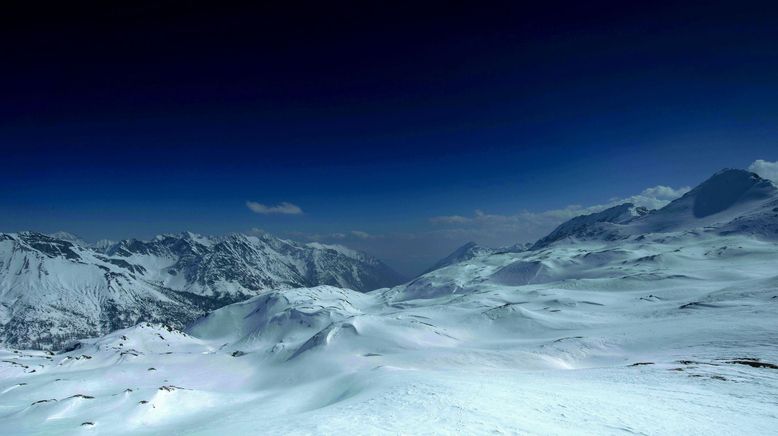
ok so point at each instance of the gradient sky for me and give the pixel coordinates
(387, 127)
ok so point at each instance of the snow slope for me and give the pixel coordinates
(461, 254)
(669, 331)
(591, 225)
(730, 202)
(56, 289)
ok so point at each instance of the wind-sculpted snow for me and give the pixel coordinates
(664, 332)
(637, 335)
(286, 317)
(55, 289)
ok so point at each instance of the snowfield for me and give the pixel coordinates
(628, 322)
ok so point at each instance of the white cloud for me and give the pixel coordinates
(284, 208)
(360, 234)
(653, 198)
(765, 169)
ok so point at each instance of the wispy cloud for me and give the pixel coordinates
(361, 235)
(766, 169)
(651, 198)
(284, 208)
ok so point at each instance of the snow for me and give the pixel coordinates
(461, 254)
(618, 336)
(53, 290)
(668, 331)
(339, 248)
(579, 225)
(66, 236)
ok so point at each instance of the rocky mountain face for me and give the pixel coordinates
(57, 288)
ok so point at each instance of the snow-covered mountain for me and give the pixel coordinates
(731, 201)
(471, 250)
(590, 225)
(626, 321)
(54, 288)
(461, 254)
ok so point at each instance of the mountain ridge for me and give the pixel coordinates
(731, 200)
(54, 290)
(712, 205)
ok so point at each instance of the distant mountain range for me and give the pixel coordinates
(672, 309)
(54, 288)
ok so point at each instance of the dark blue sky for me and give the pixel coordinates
(142, 120)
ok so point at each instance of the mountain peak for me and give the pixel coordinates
(724, 190)
(733, 172)
(466, 252)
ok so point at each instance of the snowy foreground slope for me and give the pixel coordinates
(55, 288)
(625, 324)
